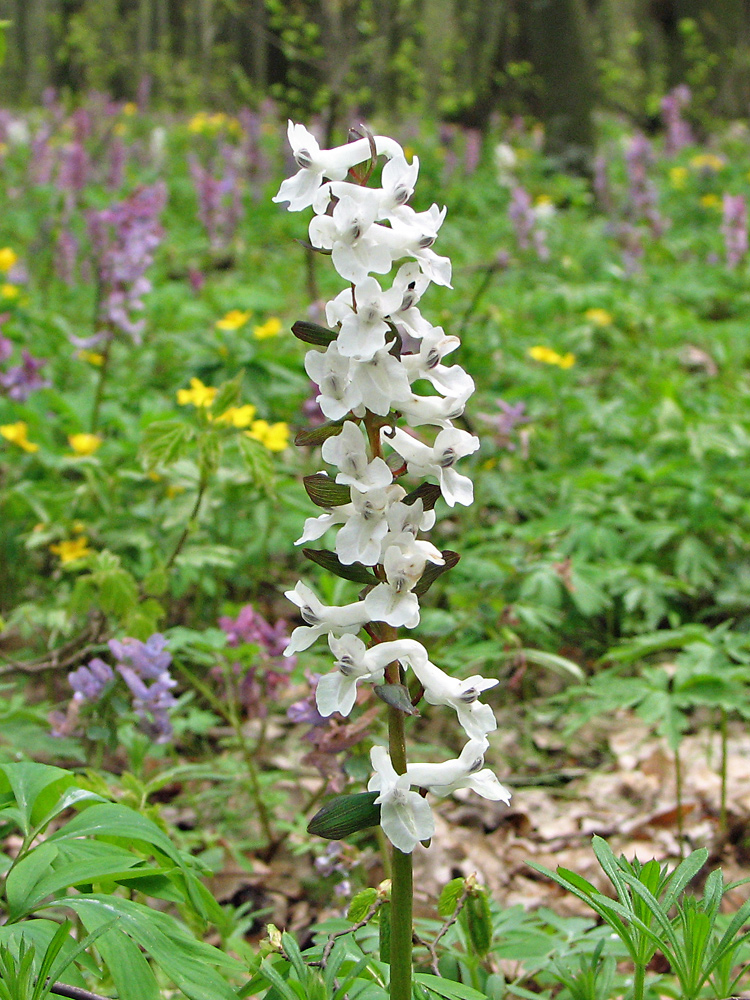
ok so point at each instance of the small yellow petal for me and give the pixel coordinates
(271, 328)
(71, 549)
(599, 317)
(9, 291)
(84, 444)
(8, 258)
(92, 357)
(16, 434)
(233, 320)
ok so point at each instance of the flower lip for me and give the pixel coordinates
(308, 615)
(470, 695)
(303, 158)
(447, 458)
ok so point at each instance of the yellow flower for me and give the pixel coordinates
(92, 357)
(233, 320)
(9, 291)
(173, 491)
(8, 258)
(238, 416)
(198, 122)
(274, 436)
(72, 549)
(84, 444)
(129, 108)
(550, 357)
(707, 161)
(198, 394)
(120, 128)
(678, 177)
(16, 434)
(599, 317)
(271, 328)
(710, 200)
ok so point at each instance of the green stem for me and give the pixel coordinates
(724, 750)
(99, 396)
(639, 982)
(202, 485)
(678, 784)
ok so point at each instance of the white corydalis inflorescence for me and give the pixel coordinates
(367, 369)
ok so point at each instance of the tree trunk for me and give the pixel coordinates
(556, 35)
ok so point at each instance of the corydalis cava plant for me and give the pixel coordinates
(365, 373)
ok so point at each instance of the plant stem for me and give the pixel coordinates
(103, 372)
(723, 765)
(678, 784)
(639, 982)
(202, 484)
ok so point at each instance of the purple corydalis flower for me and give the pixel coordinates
(526, 222)
(679, 133)
(602, 190)
(734, 228)
(89, 682)
(505, 422)
(149, 659)
(219, 198)
(19, 381)
(124, 238)
(642, 196)
(250, 626)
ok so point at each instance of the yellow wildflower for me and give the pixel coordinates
(71, 549)
(550, 357)
(238, 416)
(274, 436)
(271, 328)
(710, 200)
(16, 434)
(678, 177)
(84, 444)
(8, 291)
(707, 161)
(92, 357)
(198, 122)
(119, 128)
(233, 320)
(599, 317)
(198, 394)
(173, 491)
(129, 108)
(79, 527)
(8, 258)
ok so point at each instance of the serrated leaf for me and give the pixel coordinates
(227, 394)
(434, 570)
(450, 896)
(156, 581)
(344, 815)
(428, 493)
(258, 461)
(326, 492)
(330, 561)
(164, 441)
(313, 333)
(360, 904)
(397, 696)
(317, 435)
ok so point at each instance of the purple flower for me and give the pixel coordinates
(525, 222)
(679, 133)
(734, 228)
(220, 207)
(89, 682)
(148, 661)
(505, 422)
(263, 682)
(19, 381)
(642, 196)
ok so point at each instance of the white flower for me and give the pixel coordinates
(404, 563)
(467, 771)
(321, 618)
(363, 332)
(505, 163)
(405, 816)
(381, 382)
(366, 525)
(349, 234)
(337, 692)
(316, 527)
(332, 374)
(411, 283)
(476, 718)
(438, 460)
(437, 411)
(316, 163)
(449, 380)
(394, 607)
(347, 451)
(412, 235)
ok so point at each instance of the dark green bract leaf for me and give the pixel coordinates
(428, 493)
(317, 435)
(433, 571)
(312, 333)
(330, 561)
(345, 815)
(397, 696)
(326, 492)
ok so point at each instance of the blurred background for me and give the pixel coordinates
(459, 61)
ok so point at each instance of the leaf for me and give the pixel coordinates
(28, 781)
(312, 333)
(227, 394)
(478, 921)
(450, 896)
(447, 988)
(330, 561)
(397, 696)
(428, 493)
(558, 664)
(258, 461)
(326, 492)
(317, 435)
(164, 441)
(361, 904)
(344, 815)
(434, 570)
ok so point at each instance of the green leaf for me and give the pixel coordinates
(228, 394)
(111, 819)
(478, 921)
(317, 435)
(28, 782)
(551, 661)
(397, 696)
(447, 988)
(164, 441)
(326, 492)
(258, 461)
(330, 561)
(360, 904)
(312, 333)
(344, 815)
(428, 493)
(450, 896)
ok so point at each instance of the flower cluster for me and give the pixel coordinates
(679, 134)
(219, 194)
(20, 380)
(265, 679)
(377, 349)
(734, 228)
